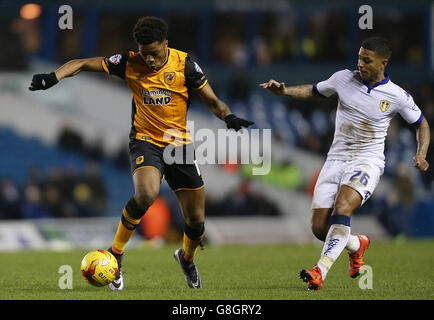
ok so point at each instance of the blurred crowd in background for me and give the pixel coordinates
(242, 45)
(64, 191)
(238, 38)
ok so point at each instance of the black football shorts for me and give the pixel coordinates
(176, 164)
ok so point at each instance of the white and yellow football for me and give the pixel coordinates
(99, 267)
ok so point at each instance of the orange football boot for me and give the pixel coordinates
(356, 258)
(313, 277)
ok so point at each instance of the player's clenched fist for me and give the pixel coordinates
(275, 87)
(233, 122)
(43, 81)
(420, 163)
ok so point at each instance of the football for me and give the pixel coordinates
(99, 267)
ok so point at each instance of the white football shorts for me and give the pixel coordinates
(362, 175)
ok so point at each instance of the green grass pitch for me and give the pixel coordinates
(400, 270)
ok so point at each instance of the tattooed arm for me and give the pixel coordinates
(304, 91)
(423, 136)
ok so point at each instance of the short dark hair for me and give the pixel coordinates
(379, 45)
(150, 29)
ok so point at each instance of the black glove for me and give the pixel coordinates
(233, 122)
(43, 81)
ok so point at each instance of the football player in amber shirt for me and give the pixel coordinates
(160, 79)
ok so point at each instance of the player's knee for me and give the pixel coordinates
(145, 197)
(343, 206)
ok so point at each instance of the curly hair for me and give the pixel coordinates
(150, 29)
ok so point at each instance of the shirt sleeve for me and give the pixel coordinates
(115, 65)
(327, 87)
(409, 110)
(194, 76)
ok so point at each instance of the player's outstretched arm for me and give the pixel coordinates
(304, 91)
(44, 81)
(221, 110)
(423, 135)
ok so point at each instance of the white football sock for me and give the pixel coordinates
(335, 242)
(353, 244)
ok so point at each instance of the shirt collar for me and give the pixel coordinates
(384, 81)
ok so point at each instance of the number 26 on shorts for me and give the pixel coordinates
(363, 177)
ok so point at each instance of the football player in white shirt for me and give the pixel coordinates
(367, 102)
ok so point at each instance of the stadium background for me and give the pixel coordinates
(64, 171)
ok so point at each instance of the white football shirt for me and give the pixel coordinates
(364, 114)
